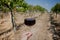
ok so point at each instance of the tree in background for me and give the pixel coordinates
(11, 5)
(39, 8)
(22, 7)
(36, 8)
(19, 5)
(56, 8)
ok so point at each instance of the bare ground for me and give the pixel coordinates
(40, 29)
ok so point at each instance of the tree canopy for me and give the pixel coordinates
(36, 8)
(19, 5)
(11, 4)
(56, 8)
(39, 8)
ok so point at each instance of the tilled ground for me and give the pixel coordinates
(40, 29)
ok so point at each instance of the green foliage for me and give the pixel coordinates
(30, 8)
(36, 8)
(56, 8)
(19, 5)
(12, 4)
(21, 9)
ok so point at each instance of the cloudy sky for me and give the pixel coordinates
(48, 4)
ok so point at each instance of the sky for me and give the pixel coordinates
(47, 4)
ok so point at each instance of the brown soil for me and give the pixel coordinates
(40, 29)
